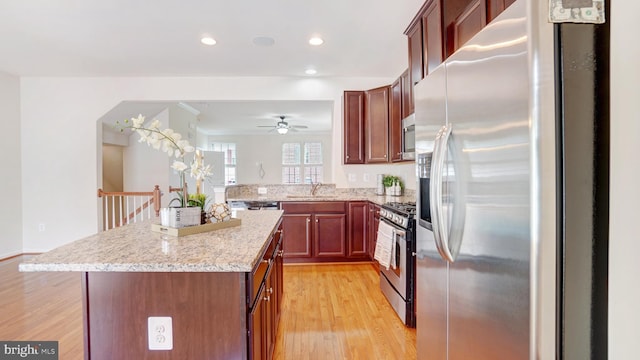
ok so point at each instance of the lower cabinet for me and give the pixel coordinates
(265, 308)
(372, 229)
(322, 231)
(314, 231)
(358, 225)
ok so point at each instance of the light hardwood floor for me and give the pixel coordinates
(329, 312)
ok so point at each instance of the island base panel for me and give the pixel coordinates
(208, 312)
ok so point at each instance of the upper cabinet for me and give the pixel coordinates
(495, 7)
(376, 121)
(425, 41)
(463, 22)
(439, 29)
(395, 121)
(353, 117)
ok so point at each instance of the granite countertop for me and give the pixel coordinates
(135, 248)
(337, 197)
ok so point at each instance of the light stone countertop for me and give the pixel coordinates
(380, 200)
(135, 248)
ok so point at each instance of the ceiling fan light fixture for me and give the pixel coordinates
(208, 40)
(282, 130)
(316, 40)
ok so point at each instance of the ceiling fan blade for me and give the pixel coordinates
(299, 126)
(266, 126)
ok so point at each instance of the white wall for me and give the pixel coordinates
(11, 179)
(624, 247)
(266, 149)
(61, 147)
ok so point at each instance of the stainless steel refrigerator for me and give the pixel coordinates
(500, 274)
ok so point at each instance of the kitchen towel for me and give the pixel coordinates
(386, 246)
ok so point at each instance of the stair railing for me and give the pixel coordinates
(121, 208)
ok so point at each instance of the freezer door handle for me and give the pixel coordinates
(447, 238)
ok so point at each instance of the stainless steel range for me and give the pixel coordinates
(398, 285)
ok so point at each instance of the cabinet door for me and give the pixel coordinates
(269, 310)
(433, 50)
(353, 136)
(416, 65)
(407, 95)
(395, 121)
(373, 222)
(357, 234)
(329, 235)
(376, 121)
(495, 7)
(469, 23)
(278, 287)
(296, 231)
(257, 339)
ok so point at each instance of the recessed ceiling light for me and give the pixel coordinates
(316, 41)
(207, 40)
(263, 41)
(310, 71)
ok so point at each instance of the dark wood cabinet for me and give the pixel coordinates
(468, 23)
(265, 307)
(372, 228)
(297, 235)
(416, 70)
(395, 121)
(315, 230)
(495, 7)
(358, 224)
(376, 121)
(433, 50)
(407, 94)
(329, 235)
(425, 42)
(354, 127)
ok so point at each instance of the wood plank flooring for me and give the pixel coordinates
(338, 312)
(329, 312)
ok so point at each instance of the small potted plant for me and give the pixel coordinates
(392, 184)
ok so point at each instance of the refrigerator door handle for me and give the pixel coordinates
(439, 227)
(447, 238)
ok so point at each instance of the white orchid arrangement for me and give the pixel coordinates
(170, 142)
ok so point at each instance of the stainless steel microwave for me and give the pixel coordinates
(409, 137)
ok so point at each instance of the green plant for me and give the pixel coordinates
(198, 200)
(389, 180)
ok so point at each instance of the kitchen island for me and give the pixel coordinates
(212, 285)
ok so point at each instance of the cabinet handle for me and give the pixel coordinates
(266, 298)
(347, 156)
(385, 155)
(268, 261)
(316, 220)
(270, 290)
(308, 219)
(281, 253)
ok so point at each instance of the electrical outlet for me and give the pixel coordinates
(365, 177)
(262, 191)
(352, 177)
(41, 227)
(160, 333)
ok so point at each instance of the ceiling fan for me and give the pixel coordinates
(282, 127)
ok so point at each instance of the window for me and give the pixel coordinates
(229, 150)
(293, 167)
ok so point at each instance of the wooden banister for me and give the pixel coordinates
(123, 201)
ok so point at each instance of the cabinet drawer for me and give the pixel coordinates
(256, 277)
(307, 207)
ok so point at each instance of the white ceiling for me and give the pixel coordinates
(363, 38)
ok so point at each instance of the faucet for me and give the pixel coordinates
(315, 188)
